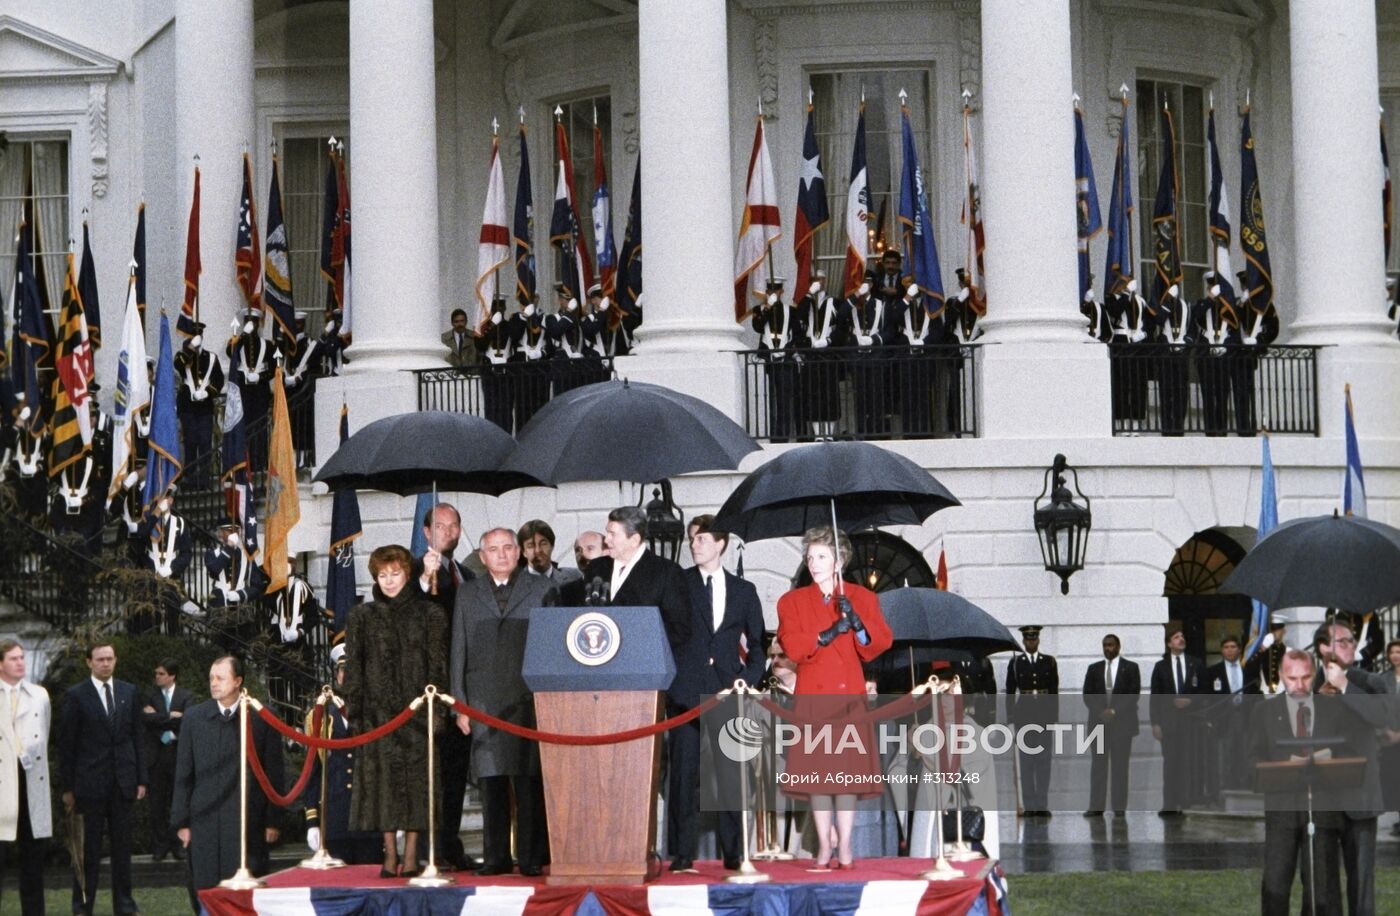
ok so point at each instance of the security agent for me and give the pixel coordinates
(1032, 678)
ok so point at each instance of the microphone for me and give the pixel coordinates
(1307, 721)
(597, 595)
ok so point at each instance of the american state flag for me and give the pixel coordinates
(812, 210)
(760, 227)
(247, 255)
(189, 308)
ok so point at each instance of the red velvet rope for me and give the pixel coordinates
(894, 709)
(294, 793)
(336, 744)
(521, 731)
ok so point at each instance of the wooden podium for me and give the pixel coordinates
(595, 671)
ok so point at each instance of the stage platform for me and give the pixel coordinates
(878, 887)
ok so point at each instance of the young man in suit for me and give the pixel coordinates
(726, 641)
(636, 577)
(1111, 689)
(26, 817)
(101, 772)
(1176, 678)
(488, 652)
(161, 716)
(1229, 680)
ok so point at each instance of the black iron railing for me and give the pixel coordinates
(508, 394)
(858, 393)
(1160, 390)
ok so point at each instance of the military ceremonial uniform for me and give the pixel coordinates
(1100, 326)
(1127, 374)
(868, 376)
(333, 820)
(913, 328)
(531, 346)
(168, 548)
(494, 348)
(1258, 328)
(200, 379)
(779, 328)
(824, 324)
(303, 366)
(1032, 681)
(1174, 337)
(960, 327)
(80, 497)
(251, 369)
(1215, 326)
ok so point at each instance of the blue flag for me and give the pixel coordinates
(919, 243)
(1166, 230)
(32, 333)
(1354, 484)
(1259, 281)
(345, 528)
(163, 461)
(1119, 267)
(1268, 521)
(418, 543)
(1086, 200)
(87, 292)
(523, 229)
(629, 261)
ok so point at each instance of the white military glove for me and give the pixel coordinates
(1088, 295)
(529, 309)
(864, 340)
(605, 303)
(313, 838)
(864, 290)
(572, 305)
(1214, 290)
(772, 298)
(199, 394)
(197, 341)
(1268, 641)
(247, 327)
(815, 288)
(495, 317)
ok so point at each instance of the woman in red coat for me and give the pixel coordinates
(829, 628)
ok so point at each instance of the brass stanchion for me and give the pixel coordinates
(766, 818)
(941, 870)
(430, 876)
(747, 874)
(322, 859)
(242, 879)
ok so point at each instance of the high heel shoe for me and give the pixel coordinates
(820, 867)
(387, 872)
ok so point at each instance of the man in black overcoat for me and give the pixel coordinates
(1111, 690)
(633, 576)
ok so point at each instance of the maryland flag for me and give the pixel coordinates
(283, 504)
(247, 258)
(72, 422)
(189, 308)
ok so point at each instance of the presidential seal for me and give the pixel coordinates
(593, 638)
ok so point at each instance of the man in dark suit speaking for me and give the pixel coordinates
(1111, 689)
(101, 772)
(726, 638)
(633, 576)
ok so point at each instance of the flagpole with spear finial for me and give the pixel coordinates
(1123, 97)
(768, 248)
(496, 151)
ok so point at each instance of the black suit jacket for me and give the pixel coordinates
(708, 661)
(1164, 687)
(100, 754)
(446, 597)
(654, 582)
(157, 723)
(1124, 701)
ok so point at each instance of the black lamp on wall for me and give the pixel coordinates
(1062, 524)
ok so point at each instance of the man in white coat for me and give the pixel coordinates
(26, 820)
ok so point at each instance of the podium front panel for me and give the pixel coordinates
(597, 648)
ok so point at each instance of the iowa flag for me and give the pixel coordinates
(283, 503)
(72, 422)
(189, 308)
(760, 227)
(857, 213)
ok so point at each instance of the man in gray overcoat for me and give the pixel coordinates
(488, 652)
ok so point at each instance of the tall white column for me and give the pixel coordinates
(214, 111)
(1040, 376)
(1340, 273)
(393, 186)
(687, 192)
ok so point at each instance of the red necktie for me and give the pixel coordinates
(1300, 726)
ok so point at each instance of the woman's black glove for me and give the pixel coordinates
(848, 613)
(825, 637)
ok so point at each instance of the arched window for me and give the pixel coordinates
(881, 562)
(1202, 564)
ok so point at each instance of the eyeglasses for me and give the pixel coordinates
(1344, 642)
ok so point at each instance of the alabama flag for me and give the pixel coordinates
(760, 227)
(494, 248)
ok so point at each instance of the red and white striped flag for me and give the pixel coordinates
(493, 249)
(972, 219)
(759, 229)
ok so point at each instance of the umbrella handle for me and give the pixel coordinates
(432, 583)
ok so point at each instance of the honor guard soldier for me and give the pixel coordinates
(1258, 329)
(776, 324)
(80, 498)
(868, 376)
(32, 487)
(331, 344)
(494, 349)
(328, 826)
(1100, 328)
(238, 580)
(200, 379)
(301, 366)
(959, 320)
(1264, 669)
(616, 327)
(565, 332)
(1214, 326)
(169, 549)
(250, 361)
(1127, 311)
(1032, 682)
(531, 345)
(293, 613)
(592, 325)
(825, 325)
(1173, 332)
(912, 326)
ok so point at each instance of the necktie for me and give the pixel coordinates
(502, 595)
(1300, 729)
(1234, 671)
(107, 692)
(1180, 676)
(1108, 677)
(710, 593)
(228, 713)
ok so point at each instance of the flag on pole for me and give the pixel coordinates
(916, 223)
(760, 226)
(87, 293)
(418, 541)
(940, 579)
(138, 257)
(857, 213)
(603, 247)
(812, 210)
(163, 458)
(629, 262)
(1086, 199)
(189, 308)
(1259, 281)
(133, 393)
(345, 528)
(1219, 214)
(493, 245)
(1354, 484)
(523, 230)
(1120, 268)
(236, 476)
(1268, 521)
(277, 271)
(972, 219)
(564, 228)
(1387, 200)
(72, 421)
(332, 255)
(344, 288)
(247, 256)
(1166, 231)
(283, 502)
(31, 344)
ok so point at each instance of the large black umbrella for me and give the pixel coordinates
(934, 618)
(1323, 561)
(621, 430)
(863, 485)
(423, 452)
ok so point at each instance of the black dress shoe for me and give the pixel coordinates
(1122, 814)
(1092, 813)
(177, 854)
(490, 869)
(731, 864)
(531, 871)
(683, 865)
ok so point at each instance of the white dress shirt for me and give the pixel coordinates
(717, 598)
(620, 572)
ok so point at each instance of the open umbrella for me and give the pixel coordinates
(935, 618)
(621, 430)
(423, 452)
(861, 484)
(1340, 561)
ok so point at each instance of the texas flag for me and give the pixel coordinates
(760, 228)
(812, 210)
(493, 250)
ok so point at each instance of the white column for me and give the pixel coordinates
(687, 192)
(1040, 376)
(214, 114)
(1340, 273)
(393, 186)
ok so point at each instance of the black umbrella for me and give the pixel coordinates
(861, 484)
(621, 430)
(1323, 561)
(424, 452)
(934, 618)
